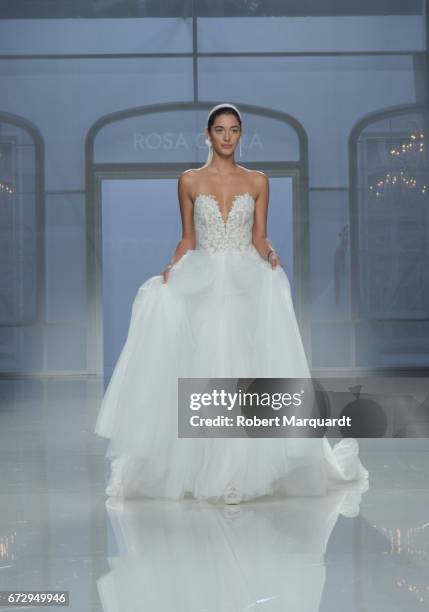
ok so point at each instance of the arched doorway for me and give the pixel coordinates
(389, 227)
(22, 307)
(133, 160)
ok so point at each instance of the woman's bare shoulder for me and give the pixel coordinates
(254, 175)
(257, 179)
(191, 171)
(188, 179)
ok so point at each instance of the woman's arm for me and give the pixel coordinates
(184, 190)
(259, 232)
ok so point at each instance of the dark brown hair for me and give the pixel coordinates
(223, 110)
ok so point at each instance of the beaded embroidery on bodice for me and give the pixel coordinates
(213, 233)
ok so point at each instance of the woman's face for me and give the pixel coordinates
(225, 134)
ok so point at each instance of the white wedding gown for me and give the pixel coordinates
(224, 313)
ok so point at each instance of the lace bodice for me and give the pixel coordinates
(213, 233)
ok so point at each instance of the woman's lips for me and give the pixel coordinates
(227, 146)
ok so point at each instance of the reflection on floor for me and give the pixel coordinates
(59, 531)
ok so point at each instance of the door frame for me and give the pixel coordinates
(97, 172)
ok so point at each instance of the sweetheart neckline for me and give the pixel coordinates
(215, 200)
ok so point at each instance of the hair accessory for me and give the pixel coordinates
(221, 106)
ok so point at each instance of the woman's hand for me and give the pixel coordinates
(166, 273)
(274, 260)
(184, 245)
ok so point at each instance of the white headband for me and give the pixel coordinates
(221, 106)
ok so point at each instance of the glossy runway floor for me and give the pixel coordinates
(342, 552)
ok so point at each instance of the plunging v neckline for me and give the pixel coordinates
(216, 201)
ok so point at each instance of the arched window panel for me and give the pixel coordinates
(18, 223)
(172, 136)
(392, 225)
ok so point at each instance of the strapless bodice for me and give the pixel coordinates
(213, 233)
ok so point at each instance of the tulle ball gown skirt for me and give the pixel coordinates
(223, 314)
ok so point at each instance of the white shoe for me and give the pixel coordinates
(231, 495)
